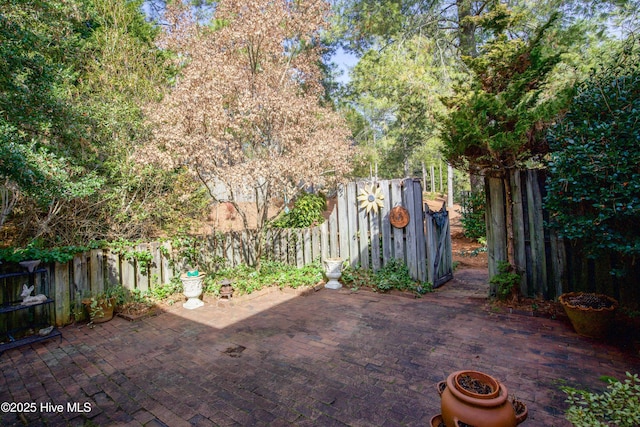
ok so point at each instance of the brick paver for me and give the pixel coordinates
(328, 358)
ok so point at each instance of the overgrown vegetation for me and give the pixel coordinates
(618, 406)
(307, 212)
(593, 190)
(166, 290)
(34, 251)
(497, 120)
(394, 275)
(472, 215)
(260, 128)
(74, 76)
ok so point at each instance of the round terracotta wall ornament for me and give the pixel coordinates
(399, 217)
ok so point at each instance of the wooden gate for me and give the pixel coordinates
(368, 239)
(439, 259)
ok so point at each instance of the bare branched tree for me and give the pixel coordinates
(245, 114)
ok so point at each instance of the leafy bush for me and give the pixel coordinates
(472, 215)
(164, 291)
(193, 252)
(505, 280)
(593, 191)
(356, 277)
(307, 211)
(618, 406)
(394, 275)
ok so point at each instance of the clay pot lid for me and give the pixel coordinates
(399, 217)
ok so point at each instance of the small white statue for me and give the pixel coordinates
(27, 299)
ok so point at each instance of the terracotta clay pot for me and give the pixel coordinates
(105, 312)
(436, 421)
(590, 322)
(491, 408)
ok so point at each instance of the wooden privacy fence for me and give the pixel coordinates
(366, 240)
(539, 253)
(549, 265)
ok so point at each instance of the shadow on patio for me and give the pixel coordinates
(329, 358)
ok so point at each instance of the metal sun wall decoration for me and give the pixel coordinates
(371, 198)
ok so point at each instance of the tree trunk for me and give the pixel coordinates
(508, 201)
(466, 29)
(476, 180)
(511, 253)
(262, 216)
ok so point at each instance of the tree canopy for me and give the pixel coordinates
(497, 121)
(397, 93)
(73, 77)
(245, 115)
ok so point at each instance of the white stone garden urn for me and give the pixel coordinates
(192, 289)
(333, 271)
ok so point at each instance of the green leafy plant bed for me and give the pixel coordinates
(618, 406)
(394, 277)
(246, 280)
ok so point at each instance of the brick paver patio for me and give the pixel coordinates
(323, 359)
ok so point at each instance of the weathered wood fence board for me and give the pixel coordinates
(495, 220)
(398, 234)
(60, 285)
(549, 265)
(540, 267)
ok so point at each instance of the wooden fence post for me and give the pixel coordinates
(387, 249)
(62, 294)
(496, 229)
(519, 240)
(398, 233)
(96, 266)
(421, 243)
(536, 234)
(411, 244)
(352, 233)
(128, 273)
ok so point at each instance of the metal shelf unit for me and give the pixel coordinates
(37, 316)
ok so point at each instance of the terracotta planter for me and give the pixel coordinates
(105, 312)
(436, 421)
(587, 321)
(488, 408)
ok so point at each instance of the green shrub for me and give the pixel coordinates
(307, 211)
(164, 291)
(355, 278)
(593, 190)
(394, 275)
(618, 406)
(472, 214)
(505, 280)
(61, 254)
